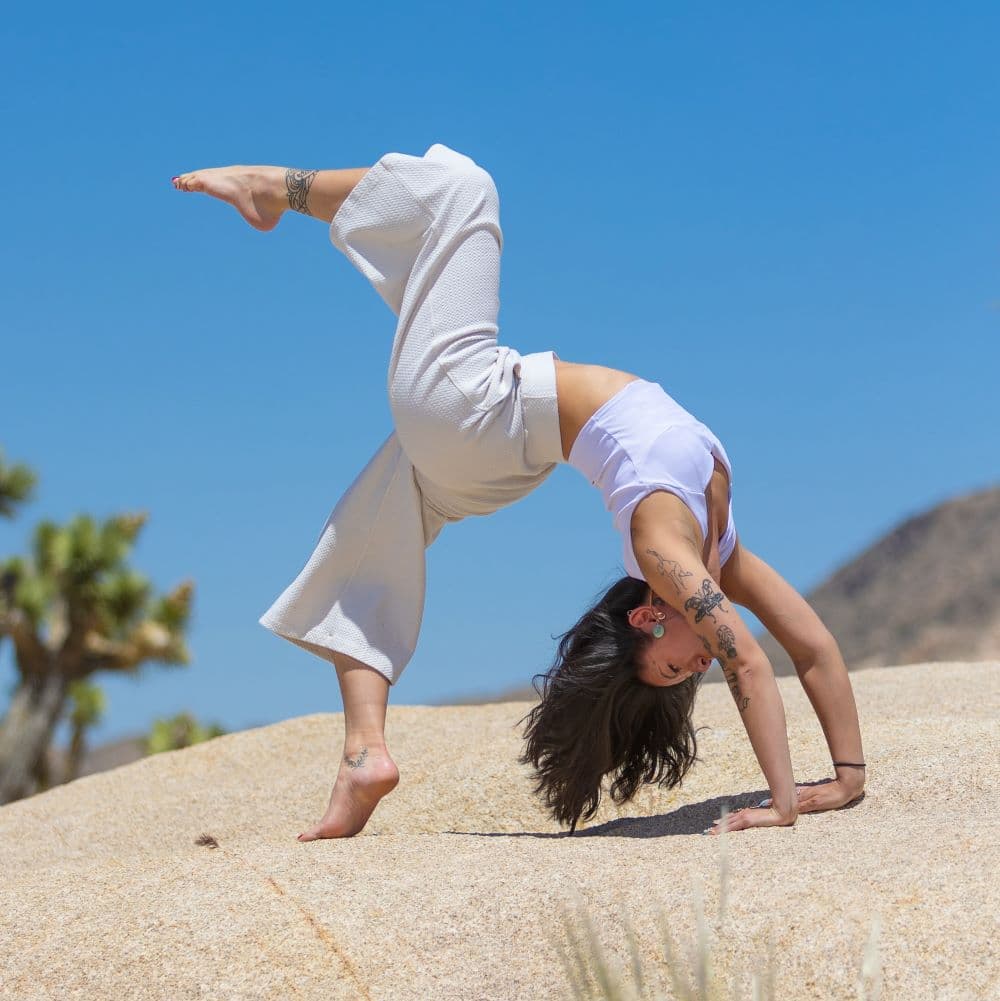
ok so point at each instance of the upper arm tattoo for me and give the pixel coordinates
(670, 569)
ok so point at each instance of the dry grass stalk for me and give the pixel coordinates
(593, 976)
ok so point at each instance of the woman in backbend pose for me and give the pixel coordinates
(478, 426)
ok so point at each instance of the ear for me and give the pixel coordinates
(640, 617)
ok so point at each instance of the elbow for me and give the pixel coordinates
(746, 675)
(821, 648)
(754, 663)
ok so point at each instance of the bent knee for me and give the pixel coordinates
(477, 184)
(463, 171)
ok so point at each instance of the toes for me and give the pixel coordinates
(319, 832)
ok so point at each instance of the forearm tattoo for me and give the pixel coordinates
(742, 701)
(670, 569)
(727, 652)
(297, 184)
(705, 601)
(358, 761)
(727, 641)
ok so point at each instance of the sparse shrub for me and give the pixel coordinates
(179, 731)
(593, 976)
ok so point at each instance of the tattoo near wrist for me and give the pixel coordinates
(297, 185)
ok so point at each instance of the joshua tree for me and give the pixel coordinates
(73, 609)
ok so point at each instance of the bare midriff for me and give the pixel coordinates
(582, 390)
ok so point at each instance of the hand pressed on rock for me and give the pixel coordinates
(749, 817)
(830, 794)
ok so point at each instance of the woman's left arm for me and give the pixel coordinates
(789, 618)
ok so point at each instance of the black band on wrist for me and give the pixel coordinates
(850, 764)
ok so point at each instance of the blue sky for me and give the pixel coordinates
(786, 214)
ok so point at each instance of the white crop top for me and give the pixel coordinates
(643, 440)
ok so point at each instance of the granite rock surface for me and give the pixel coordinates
(455, 889)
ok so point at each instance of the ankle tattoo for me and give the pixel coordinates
(297, 184)
(358, 760)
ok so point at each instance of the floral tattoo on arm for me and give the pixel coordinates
(726, 653)
(727, 641)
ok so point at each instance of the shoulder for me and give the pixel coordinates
(662, 517)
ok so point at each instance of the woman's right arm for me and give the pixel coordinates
(791, 620)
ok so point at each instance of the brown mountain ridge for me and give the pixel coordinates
(928, 590)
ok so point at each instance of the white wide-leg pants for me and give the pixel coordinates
(476, 423)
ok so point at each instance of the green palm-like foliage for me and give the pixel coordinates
(76, 599)
(73, 608)
(179, 731)
(17, 484)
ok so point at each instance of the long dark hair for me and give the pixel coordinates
(597, 718)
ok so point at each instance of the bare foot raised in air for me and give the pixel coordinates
(259, 194)
(365, 776)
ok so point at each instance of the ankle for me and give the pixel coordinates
(270, 183)
(295, 188)
(371, 746)
(368, 765)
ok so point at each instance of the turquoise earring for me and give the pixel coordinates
(658, 630)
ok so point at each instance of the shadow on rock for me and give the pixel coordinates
(692, 819)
